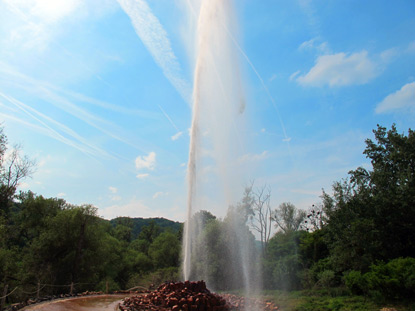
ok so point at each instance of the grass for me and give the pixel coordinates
(331, 300)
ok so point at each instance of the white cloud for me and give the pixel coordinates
(273, 77)
(389, 54)
(146, 162)
(401, 100)
(340, 69)
(159, 194)
(116, 198)
(177, 136)
(294, 75)
(155, 38)
(61, 194)
(142, 176)
(112, 189)
(313, 44)
(253, 157)
(40, 19)
(53, 10)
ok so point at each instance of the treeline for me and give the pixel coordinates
(48, 244)
(55, 244)
(362, 236)
(360, 239)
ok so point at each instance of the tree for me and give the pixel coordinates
(165, 250)
(260, 219)
(288, 218)
(282, 263)
(371, 214)
(316, 218)
(14, 167)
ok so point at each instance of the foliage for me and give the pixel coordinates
(361, 235)
(288, 218)
(137, 224)
(321, 300)
(392, 280)
(371, 214)
(223, 248)
(282, 263)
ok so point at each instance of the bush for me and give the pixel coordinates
(393, 280)
(354, 281)
(326, 278)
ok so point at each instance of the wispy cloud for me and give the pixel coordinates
(113, 189)
(411, 47)
(402, 100)
(146, 162)
(315, 44)
(159, 194)
(40, 18)
(340, 69)
(252, 157)
(70, 102)
(155, 38)
(142, 176)
(177, 136)
(54, 129)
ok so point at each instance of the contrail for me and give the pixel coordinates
(50, 93)
(91, 150)
(154, 37)
(286, 138)
(168, 118)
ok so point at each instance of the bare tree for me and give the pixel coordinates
(288, 218)
(260, 219)
(16, 168)
(13, 168)
(315, 218)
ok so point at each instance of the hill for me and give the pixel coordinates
(137, 224)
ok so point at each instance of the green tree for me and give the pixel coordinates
(371, 214)
(283, 263)
(287, 217)
(165, 250)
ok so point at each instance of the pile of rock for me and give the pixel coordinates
(242, 303)
(184, 296)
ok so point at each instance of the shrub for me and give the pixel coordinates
(354, 281)
(393, 280)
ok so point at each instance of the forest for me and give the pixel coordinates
(359, 239)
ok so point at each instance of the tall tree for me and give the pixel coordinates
(14, 167)
(372, 212)
(261, 217)
(288, 218)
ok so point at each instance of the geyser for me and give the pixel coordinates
(215, 172)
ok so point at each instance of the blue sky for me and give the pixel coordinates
(99, 94)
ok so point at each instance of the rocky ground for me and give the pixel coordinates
(186, 296)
